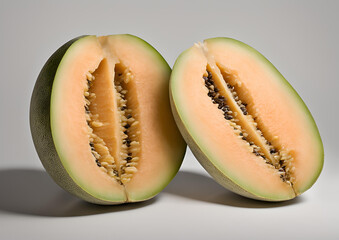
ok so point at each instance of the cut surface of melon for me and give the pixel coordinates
(244, 122)
(110, 120)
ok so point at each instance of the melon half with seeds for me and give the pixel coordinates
(244, 122)
(101, 120)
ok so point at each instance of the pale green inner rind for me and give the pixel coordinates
(151, 192)
(194, 133)
(157, 56)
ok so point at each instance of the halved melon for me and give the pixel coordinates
(101, 120)
(244, 122)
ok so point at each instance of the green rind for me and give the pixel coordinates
(146, 45)
(202, 154)
(41, 127)
(152, 194)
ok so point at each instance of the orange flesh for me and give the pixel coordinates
(151, 125)
(157, 161)
(218, 140)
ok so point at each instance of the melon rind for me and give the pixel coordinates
(205, 157)
(46, 145)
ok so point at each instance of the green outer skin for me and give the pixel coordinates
(202, 154)
(41, 128)
(40, 124)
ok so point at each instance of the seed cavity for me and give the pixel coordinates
(122, 169)
(102, 157)
(222, 88)
(129, 131)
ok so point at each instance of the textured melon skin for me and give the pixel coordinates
(41, 128)
(217, 174)
(40, 124)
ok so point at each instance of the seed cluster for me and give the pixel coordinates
(213, 93)
(99, 150)
(284, 167)
(129, 131)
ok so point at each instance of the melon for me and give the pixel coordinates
(101, 119)
(244, 122)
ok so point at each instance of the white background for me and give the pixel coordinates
(299, 37)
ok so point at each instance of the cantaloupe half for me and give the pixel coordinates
(101, 120)
(244, 122)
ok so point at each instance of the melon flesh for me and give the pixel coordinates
(86, 123)
(272, 107)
